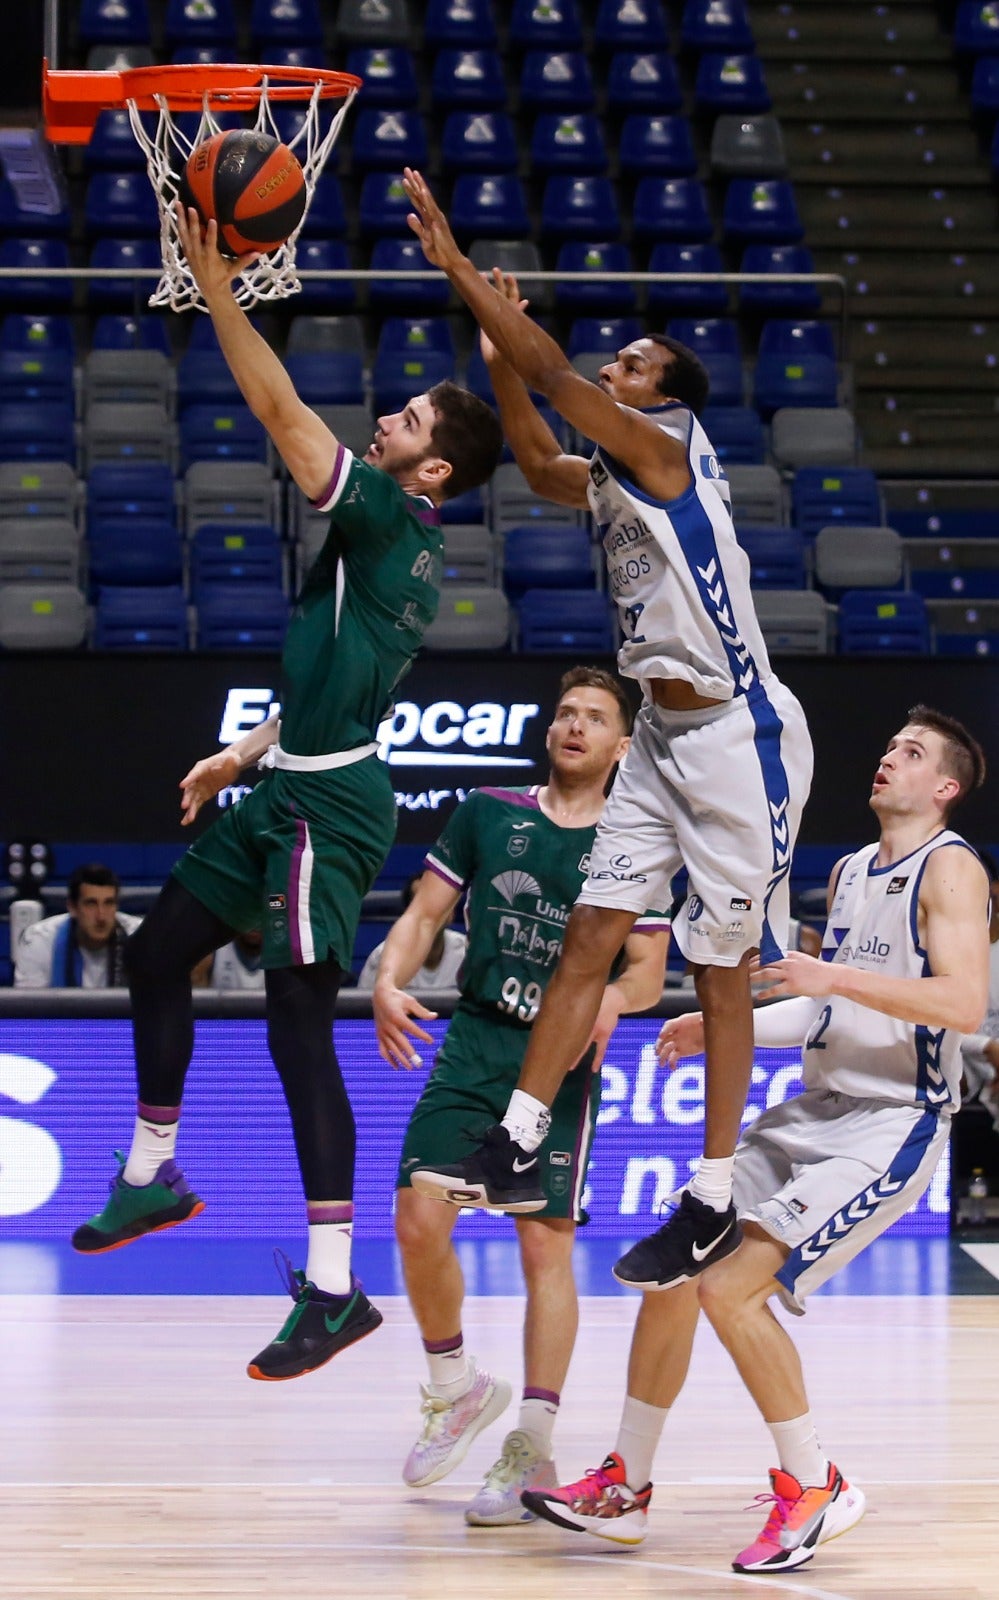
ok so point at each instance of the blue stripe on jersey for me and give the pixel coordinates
(864, 1204)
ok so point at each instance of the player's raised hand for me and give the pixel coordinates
(794, 974)
(394, 1010)
(680, 1036)
(429, 223)
(211, 271)
(206, 779)
(505, 284)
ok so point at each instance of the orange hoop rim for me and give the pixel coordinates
(72, 100)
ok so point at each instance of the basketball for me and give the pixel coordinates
(251, 184)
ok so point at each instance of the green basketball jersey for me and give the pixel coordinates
(522, 873)
(360, 618)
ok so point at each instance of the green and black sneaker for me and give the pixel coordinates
(135, 1209)
(319, 1326)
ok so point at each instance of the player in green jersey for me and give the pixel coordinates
(521, 855)
(296, 856)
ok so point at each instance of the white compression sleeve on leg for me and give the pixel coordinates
(784, 1022)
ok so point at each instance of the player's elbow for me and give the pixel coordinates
(970, 1006)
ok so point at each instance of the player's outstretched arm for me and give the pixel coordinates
(406, 949)
(302, 440)
(209, 777)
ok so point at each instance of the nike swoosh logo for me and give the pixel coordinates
(524, 1166)
(156, 1133)
(334, 1324)
(699, 1254)
(414, 1161)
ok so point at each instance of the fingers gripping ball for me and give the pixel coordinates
(251, 184)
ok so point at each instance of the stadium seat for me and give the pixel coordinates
(793, 621)
(384, 206)
(805, 380)
(953, 569)
(518, 256)
(858, 558)
(31, 293)
(285, 22)
(707, 335)
(415, 335)
(883, 622)
(121, 205)
(235, 491)
(388, 73)
(149, 618)
(138, 376)
(119, 331)
(123, 431)
(330, 294)
(791, 336)
(652, 144)
(122, 294)
(39, 550)
(124, 492)
(976, 28)
(468, 80)
(221, 433)
(777, 258)
(668, 299)
(326, 217)
(241, 616)
(206, 55)
(404, 255)
(513, 501)
(467, 507)
(205, 22)
(643, 81)
(37, 430)
(545, 25)
(479, 141)
(730, 83)
(757, 495)
(469, 554)
(606, 334)
(736, 433)
(630, 25)
(36, 375)
(598, 297)
(205, 377)
(27, 331)
(133, 551)
(118, 57)
(671, 208)
(42, 616)
(39, 489)
(453, 23)
(579, 208)
(776, 556)
(400, 374)
(489, 206)
(387, 140)
(565, 620)
(294, 55)
(22, 220)
(821, 497)
(985, 86)
(113, 22)
(747, 146)
(469, 617)
(226, 552)
(542, 555)
(326, 377)
(961, 629)
(360, 22)
(113, 146)
(564, 141)
(761, 211)
(556, 81)
(813, 436)
(716, 25)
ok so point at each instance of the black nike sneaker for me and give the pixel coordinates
(499, 1176)
(319, 1326)
(692, 1238)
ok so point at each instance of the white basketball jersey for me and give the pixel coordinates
(677, 573)
(873, 925)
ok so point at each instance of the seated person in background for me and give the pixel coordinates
(82, 948)
(444, 958)
(234, 966)
(980, 1051)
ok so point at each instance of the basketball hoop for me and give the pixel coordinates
(72, 102)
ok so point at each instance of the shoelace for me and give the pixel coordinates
(592, 1484)
(513, 1458)
(779, 1513)
(434, 1408)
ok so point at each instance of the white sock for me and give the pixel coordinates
(152, 1143)
(637, 1439)
(449, 1370)
(537, 1420)
(328, 1263)
(798, 1450)
(527, 1120)
(712, 1182)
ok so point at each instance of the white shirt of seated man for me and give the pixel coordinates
(82, 947)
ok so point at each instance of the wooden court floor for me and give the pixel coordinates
(137, 1460)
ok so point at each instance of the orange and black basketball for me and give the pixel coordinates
(251, 184)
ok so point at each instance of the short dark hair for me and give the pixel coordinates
(963, 756)
(685, 377)
(467, 434)
(100, 876)
(597, 678)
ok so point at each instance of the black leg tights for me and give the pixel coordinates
(300, 1006)
(178, 933)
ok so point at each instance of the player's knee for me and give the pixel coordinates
(544, 1250)
(717, 1298)
(724, 990)
(420, 1232)
(148, 958)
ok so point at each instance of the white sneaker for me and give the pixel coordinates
(449, 1426)
(520, 1466)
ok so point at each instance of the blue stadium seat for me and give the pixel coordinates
(468, 80)
(651, 144)
(489, 206)
(930, 522)
(228, 552)
(220, 433)
(611, 299)
(985, 86)
(774, 258)
(37, 430)
(976, 28)
(200, 22)
(565, 619)
(563, 141)
(35, 375)
(790, 336)
(295, 55)
(479, 141)
(964, 583)
(415, 336)
(477, 379)
(113, 22)
(736, 433)
(241, 616)
(822, 496)
(286, 22)
(705, 299)
(19, 220)
(609, 334)
(327, 377)
(384, 205)
(883, 622)
(113, 146)
(122, 205)
(671, 208)
(707, 335)
(35, 294)
(643, 81)
(107, 294)
(204, 377)
(776, 556)
(398, 375)
(545, 25)
(799, 380)
(580, 208)
(133, 551)
(387, 141)
(23, 330)
(731, 83)
(542, 555)
(404, 255)
(630, 25)
(449, 24)
(467, 507)
(761, 210)
(204, 55)
(556, 81)
(326, 217)
(389, 75)
(124, 491)
(325, 255)
(149, 618)
(716, 25)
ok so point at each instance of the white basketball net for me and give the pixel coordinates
(273, 276)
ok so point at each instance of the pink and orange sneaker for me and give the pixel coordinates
(601, 1503)
(800, 1519)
